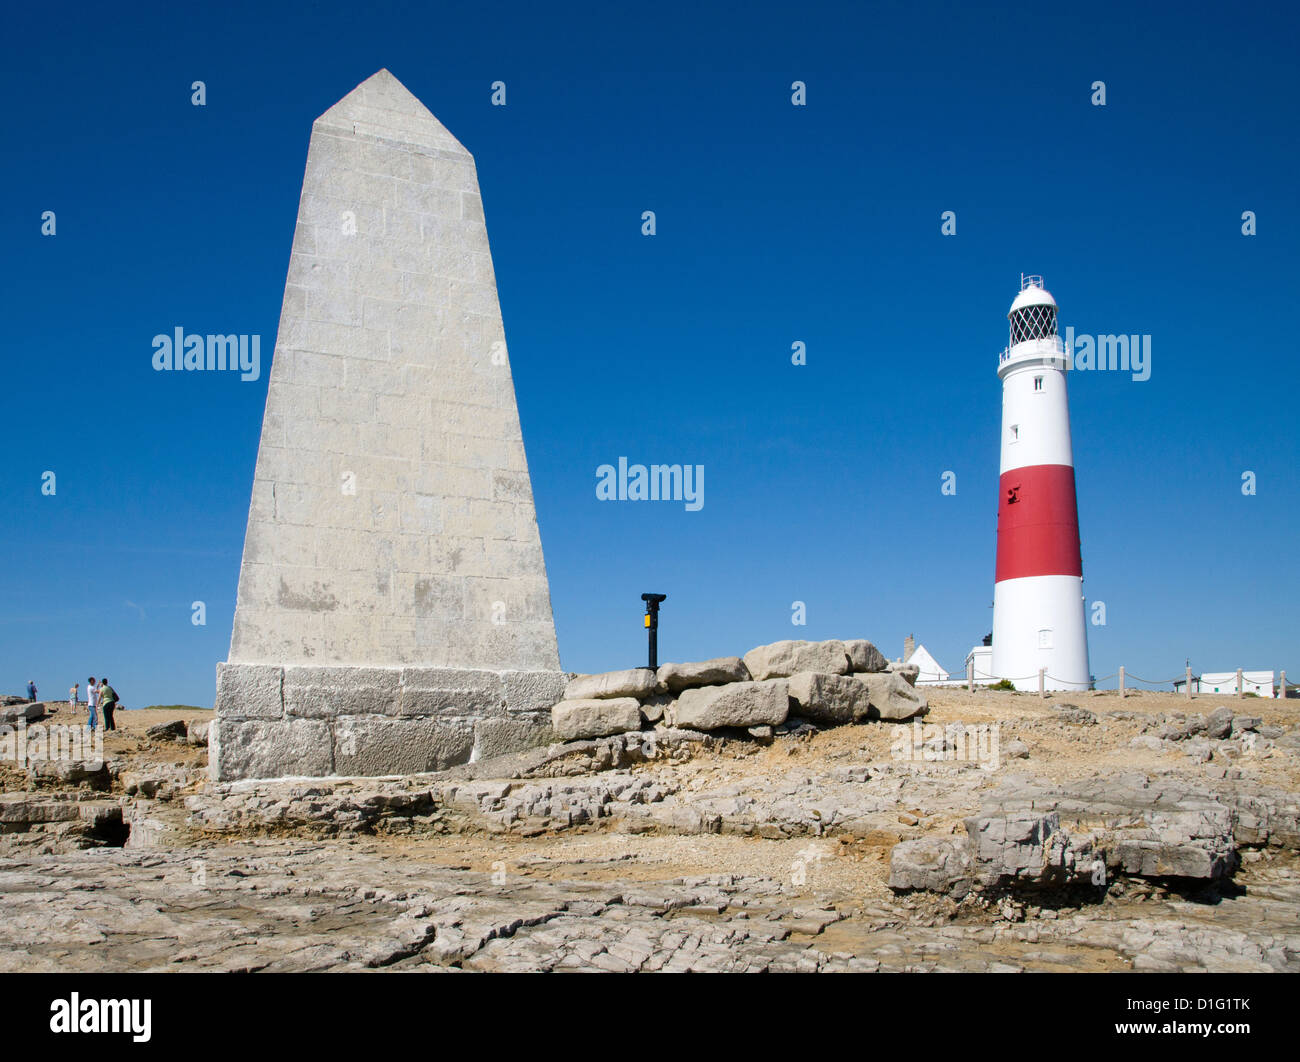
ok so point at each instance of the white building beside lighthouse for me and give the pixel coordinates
(1038, 607)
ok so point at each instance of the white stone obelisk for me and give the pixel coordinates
(1038, 607)
(393, 612)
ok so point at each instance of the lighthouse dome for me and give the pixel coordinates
(1032, 293)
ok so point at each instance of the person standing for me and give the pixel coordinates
(92, 701)
(107, 702)
(31, 689)
(73, 695)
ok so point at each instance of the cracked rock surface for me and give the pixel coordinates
(796, 849)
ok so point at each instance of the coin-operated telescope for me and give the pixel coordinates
(652, 625)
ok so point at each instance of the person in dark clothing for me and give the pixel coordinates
(31, 690)
(107, 702)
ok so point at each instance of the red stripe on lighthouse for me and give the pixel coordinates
(1038, 523)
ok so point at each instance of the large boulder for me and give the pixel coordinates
(935, 864)
(782, 659)
(673, 678)
(863, 656)
(831, 699)
(892, 697)
(595, 717)
(736, 704)
(634, 682)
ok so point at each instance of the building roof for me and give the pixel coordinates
(925, 663)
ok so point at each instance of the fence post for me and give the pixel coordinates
(1189, 683)
(970, 675)
(1121, 682)
(1042, 683)
(1238, 682)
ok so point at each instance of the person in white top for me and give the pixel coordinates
(92, 700)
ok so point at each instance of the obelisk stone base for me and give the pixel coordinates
(276, 722)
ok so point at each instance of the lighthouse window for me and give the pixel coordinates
(1038, 383)
(1045, 638)
(1015, 432)
(1033, 322)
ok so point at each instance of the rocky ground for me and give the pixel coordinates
(1148, 834)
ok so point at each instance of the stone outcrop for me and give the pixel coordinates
(1031, 835)
(59, 823)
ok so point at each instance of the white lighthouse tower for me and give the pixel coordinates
(1038, 608)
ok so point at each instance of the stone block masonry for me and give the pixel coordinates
(313, 721)
(393, 612)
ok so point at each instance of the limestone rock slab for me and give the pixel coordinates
(595, 717)
(784, 658)
(829, 699)
(633, 682)
(742, 704)
(673, 678)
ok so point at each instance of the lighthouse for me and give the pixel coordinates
(1038, 607)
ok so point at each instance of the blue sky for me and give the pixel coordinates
(776, 224)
